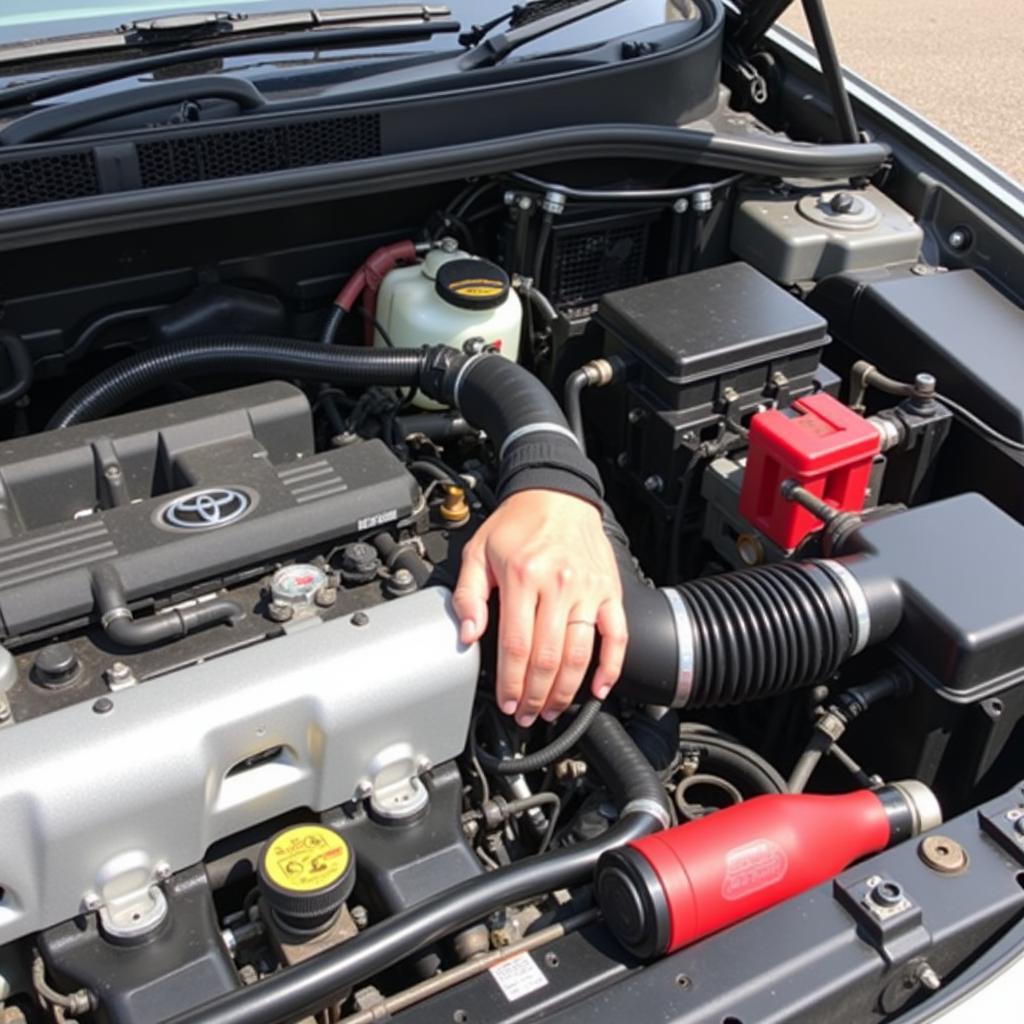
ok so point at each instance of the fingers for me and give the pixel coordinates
(577, 651)
(515, 639)
(611, 624)
(472, 590)
(548, 646)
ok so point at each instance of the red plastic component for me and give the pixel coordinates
(826, 448)
(733, 863)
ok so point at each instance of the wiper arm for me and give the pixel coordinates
(496, 48)
(373, 25)
(175, 29)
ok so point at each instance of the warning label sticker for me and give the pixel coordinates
(518, 976)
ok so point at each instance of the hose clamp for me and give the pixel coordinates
(684, 648)
(858, 602)
(114, 614)
(649, 806)
(536, 428)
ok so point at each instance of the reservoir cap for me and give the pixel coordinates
(472, 284)
(306, 873)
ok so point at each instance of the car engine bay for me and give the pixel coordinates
(250, 773)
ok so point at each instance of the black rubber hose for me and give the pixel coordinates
(257, 355)
(308, 987)
(752, 633)
(762, 631)
(548, 755)
(123, 628)
(22, 370)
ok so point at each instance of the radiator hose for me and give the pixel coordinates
(308, 987)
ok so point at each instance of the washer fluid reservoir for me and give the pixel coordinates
(447, 299)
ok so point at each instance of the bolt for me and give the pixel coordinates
(924, 384)
(360, 619)
(509, 198)
(119, 675)
(842, 202)
(360, 916)
(636, 415)
(279, 611)
(103, 706)
(112, 472)
(959, 238)
(653, 484)
(681, 205)
(162, 871)
(554, 202)
(326, 596)
(423, 764)
(91, 901)
(364, 789)
(5, 709)
(926, 975)
(703, 201)
(524, 203)
(622, 460)
(1015, 815)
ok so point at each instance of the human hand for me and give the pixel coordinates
(555, 571)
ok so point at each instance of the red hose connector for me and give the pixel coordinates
(671, 888)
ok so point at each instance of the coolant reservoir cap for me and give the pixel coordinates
(472, 284)
(305, 874)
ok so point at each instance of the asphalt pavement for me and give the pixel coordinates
(960, 63)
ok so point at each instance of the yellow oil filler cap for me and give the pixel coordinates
(306, 873)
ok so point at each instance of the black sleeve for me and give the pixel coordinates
(550, 462)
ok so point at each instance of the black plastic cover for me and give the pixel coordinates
(108, 492)
(711, 322)
(953, 571)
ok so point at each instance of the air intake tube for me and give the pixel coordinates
(744, 635)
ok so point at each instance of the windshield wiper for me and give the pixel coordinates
(496, 48)
(323, 30)
(206, 26)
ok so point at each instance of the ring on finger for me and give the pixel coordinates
(581, 622)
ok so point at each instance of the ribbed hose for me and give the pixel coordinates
(258, 355)
(762, 631)
(308, 987)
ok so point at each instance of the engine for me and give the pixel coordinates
(250, 772)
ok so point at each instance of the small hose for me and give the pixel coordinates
(546, 756)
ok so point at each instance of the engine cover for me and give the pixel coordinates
(101, 797)
(177, 494)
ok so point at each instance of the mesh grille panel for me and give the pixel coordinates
(589, 263)
(48, 179)
(242, 151)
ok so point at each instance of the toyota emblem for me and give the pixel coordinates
(204, 510)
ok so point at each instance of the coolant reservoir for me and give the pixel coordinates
(445, 300)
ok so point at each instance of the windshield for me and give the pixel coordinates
(28, 19)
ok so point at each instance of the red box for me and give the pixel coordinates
(825, 447)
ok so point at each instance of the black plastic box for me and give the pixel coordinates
(730, 326)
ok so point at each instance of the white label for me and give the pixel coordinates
(518, 976)
(377, 520)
